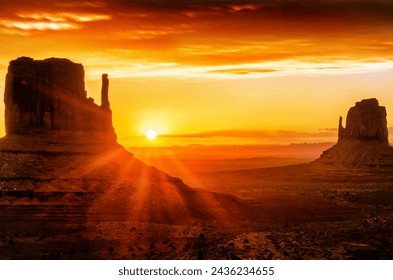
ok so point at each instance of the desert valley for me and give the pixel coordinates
(68, 190)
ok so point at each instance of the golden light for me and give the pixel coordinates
(151, 134)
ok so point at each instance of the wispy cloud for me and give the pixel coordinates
(64, 17)
(237, 137)
(48, 18)
(242, 71)
(246, 7)
(81, 4)
(263, 134)
(330, 129)
(126, 69)
(38, 25)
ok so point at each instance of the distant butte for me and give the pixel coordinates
(363, 143)
(361, 154)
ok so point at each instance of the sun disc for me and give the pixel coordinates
(151, 134)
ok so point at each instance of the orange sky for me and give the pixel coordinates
(230, 71)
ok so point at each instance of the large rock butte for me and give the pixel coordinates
(49, 97)
(363, 143)
(365, 121)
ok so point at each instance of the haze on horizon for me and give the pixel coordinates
(249, 71)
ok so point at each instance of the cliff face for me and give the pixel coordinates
(47, 96)
(365, 121)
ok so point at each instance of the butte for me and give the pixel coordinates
(363, 143)
(361, 154)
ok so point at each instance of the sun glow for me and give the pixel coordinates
(151, 135)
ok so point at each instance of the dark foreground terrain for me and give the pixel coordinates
(300, 211)
(78, 205)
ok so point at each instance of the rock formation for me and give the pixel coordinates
(365, 121)
(105, 92)
(363, 143)
(49, 97)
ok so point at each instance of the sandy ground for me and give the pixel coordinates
(62, 206)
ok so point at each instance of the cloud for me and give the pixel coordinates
(125, 69)
(246, 7)
(81, 4)
(217, 39)
(332, 129)
(42, 18)
(63, 16)
(263, 134)
(239, 32)
(38, 25)
(242, 71)
(51, 21)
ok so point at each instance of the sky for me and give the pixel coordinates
(219, 72)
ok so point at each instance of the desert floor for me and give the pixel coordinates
(265, 212)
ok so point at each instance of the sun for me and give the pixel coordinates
(151, 134)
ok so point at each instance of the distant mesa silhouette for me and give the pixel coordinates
(363, 143)
(48, 97)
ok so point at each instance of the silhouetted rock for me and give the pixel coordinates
(363, 143)
(365, 121)
(105, 92)
(48, 96)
